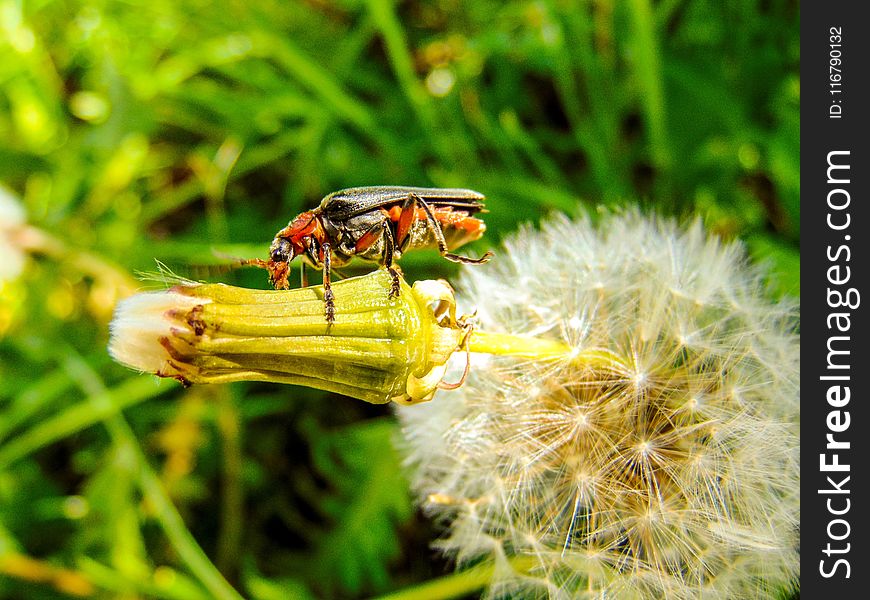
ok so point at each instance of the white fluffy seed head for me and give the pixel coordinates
(674, 477)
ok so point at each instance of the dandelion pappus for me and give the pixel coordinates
(378, 224)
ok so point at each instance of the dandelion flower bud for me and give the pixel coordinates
(670, 471)
(379, 349)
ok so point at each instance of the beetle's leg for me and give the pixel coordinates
(328, 295)
(406, 219)
(367, 239)
(389, 249)
(303, 276)
(312, 250)
(467, 324)
(439, 236)
(382, 230)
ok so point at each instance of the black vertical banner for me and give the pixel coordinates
(835, 221)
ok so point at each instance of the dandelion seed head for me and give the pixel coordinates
(672, 474)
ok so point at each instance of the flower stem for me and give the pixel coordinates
(459, 584)
(232, 509)
(504, 344)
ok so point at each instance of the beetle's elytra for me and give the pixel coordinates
(378, 224)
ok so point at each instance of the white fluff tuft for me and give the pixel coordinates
(675, 476)
(138, 325)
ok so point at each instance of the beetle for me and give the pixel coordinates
(379, 224)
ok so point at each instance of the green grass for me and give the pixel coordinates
(174, 130)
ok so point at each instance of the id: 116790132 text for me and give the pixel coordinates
(835, 72)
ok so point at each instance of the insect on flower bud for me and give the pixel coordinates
(379, 349)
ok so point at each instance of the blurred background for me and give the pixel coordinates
(191, 131)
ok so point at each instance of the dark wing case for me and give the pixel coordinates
(348, 203)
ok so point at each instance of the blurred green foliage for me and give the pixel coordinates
(187, 131)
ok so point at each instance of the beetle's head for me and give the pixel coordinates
(281, 250)
(293, 240)
(290, 242)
